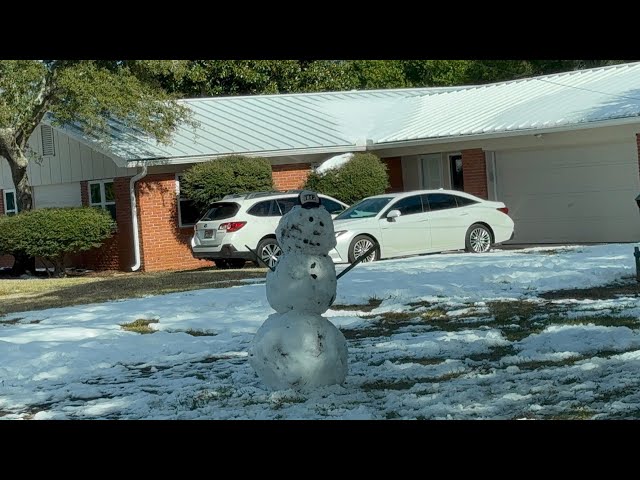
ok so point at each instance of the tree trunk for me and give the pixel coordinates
(23, 264)
(18, 162)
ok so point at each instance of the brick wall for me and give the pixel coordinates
(474, 172)
(394, 171)
(117, 252)
(164, 245)
(290, 177)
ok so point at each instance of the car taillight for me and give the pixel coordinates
(504, 210)
(232, 226)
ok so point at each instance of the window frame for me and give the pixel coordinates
(427, 195)
(13, 211)
(103, 197)
(179, 200)
(393, 207)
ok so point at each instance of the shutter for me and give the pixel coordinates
(47, 140)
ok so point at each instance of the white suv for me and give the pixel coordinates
(250, 219)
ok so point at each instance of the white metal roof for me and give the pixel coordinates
(348, 121)
(551, 101)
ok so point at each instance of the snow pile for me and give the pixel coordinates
(334, 162)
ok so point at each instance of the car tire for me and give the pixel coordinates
(478, 239)
(269, 251)
(360, 245)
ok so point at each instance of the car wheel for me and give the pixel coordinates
(478, 239)
(269, 251)
(359, 246)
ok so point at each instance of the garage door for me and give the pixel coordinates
(60, 195)
(584, 194)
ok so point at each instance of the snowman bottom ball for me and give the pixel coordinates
(305, 283)
(299, 350)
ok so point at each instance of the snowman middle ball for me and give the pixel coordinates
(304, 283)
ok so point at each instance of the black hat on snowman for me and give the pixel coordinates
(309, 199)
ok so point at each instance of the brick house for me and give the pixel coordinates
(561, 151)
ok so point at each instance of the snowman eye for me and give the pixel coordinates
(311, 219)
(321, 224)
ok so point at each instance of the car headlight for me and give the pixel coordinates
(340, 232)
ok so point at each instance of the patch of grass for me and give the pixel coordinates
(195, 333)
(625, 287)
(421, 361)
(494, 355)
(407, 383)
(19, 295)
(537, 364)
(605, 321)
(13, 321)
(421, 303)
(373, 303)
(140, 325)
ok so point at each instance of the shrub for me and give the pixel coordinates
(52, 233)
(362, 176)
(207, 182)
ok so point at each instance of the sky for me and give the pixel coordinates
(78, 363)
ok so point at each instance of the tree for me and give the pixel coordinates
(83, 91)
(362, 176)
(52, 233)
(207, 182)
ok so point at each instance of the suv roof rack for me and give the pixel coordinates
(259, 194)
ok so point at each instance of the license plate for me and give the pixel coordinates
(208, 233)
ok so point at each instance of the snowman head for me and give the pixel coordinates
(306, 228)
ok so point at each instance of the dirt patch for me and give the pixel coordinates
(625, 288)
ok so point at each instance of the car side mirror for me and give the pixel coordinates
(392, 215)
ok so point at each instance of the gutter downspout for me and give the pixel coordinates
(134, 217)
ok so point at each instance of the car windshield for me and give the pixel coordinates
(220, 211)
(369, 207)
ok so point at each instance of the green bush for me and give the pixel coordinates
(207, 182)
(362, 176)
(52, 233)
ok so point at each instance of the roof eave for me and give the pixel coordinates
(504, 134)
(264, 153)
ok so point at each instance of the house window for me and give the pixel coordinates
(188, 213)
(457, 182)
(48, 147)
(102, 195)
(10, 203)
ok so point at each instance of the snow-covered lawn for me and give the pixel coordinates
(444, 336)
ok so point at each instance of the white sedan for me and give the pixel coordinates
(417, 222)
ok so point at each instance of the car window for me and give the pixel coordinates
(369, 207)
(463, 201)
(407, 206)
(220, 211)
(441, 201)
(287, 204)
(267, 208)
(332, 206)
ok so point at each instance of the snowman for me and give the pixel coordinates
(297, 347)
